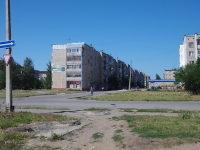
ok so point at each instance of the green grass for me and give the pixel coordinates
(13, 119)
(186, 129)
(43, 147)
(118, 131)
(56, 137)
(97, 135)
(117, 138)
(97, 109)
(159, 110)
(28, 93)
(148, 96)
(15, 140)
(39, 107)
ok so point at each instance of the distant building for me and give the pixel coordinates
(189, 51)
(40, 74)
(169, 74)
(161, 83)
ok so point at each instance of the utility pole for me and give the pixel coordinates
(129, 87)
(9, 106)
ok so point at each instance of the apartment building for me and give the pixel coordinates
(169, 74)
(189, 51)
(80, 66)
(107, 68)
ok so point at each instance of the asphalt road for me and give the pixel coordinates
(70, 101)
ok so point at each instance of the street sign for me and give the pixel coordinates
(6, 58)
(7, 44)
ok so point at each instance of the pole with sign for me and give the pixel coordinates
(9, 106)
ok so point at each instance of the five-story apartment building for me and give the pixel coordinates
(80, 66)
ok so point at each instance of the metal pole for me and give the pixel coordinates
(9, 106)
(129, 87)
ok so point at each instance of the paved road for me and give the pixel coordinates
(69, 101)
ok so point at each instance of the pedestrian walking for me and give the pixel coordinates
(91, 90)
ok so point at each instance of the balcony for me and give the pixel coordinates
(74, 54)
(74, 78)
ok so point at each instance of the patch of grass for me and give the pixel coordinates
(46, 147)
(39, 107)
(13, 119)
(84, 98)
(97, 109)
(97, 135)
(28, 93)
(15, 140)
(186, 129)
(12, 140)
(56, 137)
(118, 131)
(117, 138)
(115, 118)
(160, 110)
(148, 96)
(43, 147)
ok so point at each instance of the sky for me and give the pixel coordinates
(148, 32)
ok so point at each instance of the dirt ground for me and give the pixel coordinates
(82, 139)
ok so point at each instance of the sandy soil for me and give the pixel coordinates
(82, 139)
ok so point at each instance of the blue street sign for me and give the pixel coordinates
(7, 44)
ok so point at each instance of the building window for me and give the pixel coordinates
(73, 74)
(191, 62)
(191, 53)
(68, 50)
(77, 58)
(74, 50)
(191, 44)
(73, 66)
(198, 42)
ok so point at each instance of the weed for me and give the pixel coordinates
(123, 146)
(56, 137)
(186, 115)
(117, 138)
(97, 109)
(97, 135)
(115, 118)
(118, 131)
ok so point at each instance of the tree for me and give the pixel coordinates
(157, 77)
(17, 78)
(114, 80)
(2, 74)
(48, 79)
(28, 74)
(188, 76)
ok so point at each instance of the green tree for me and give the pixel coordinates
(17, 78)
(157, 77)
(28, 74)
(114, 81)
(48, 79)
(2, 74)
(188, 76)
